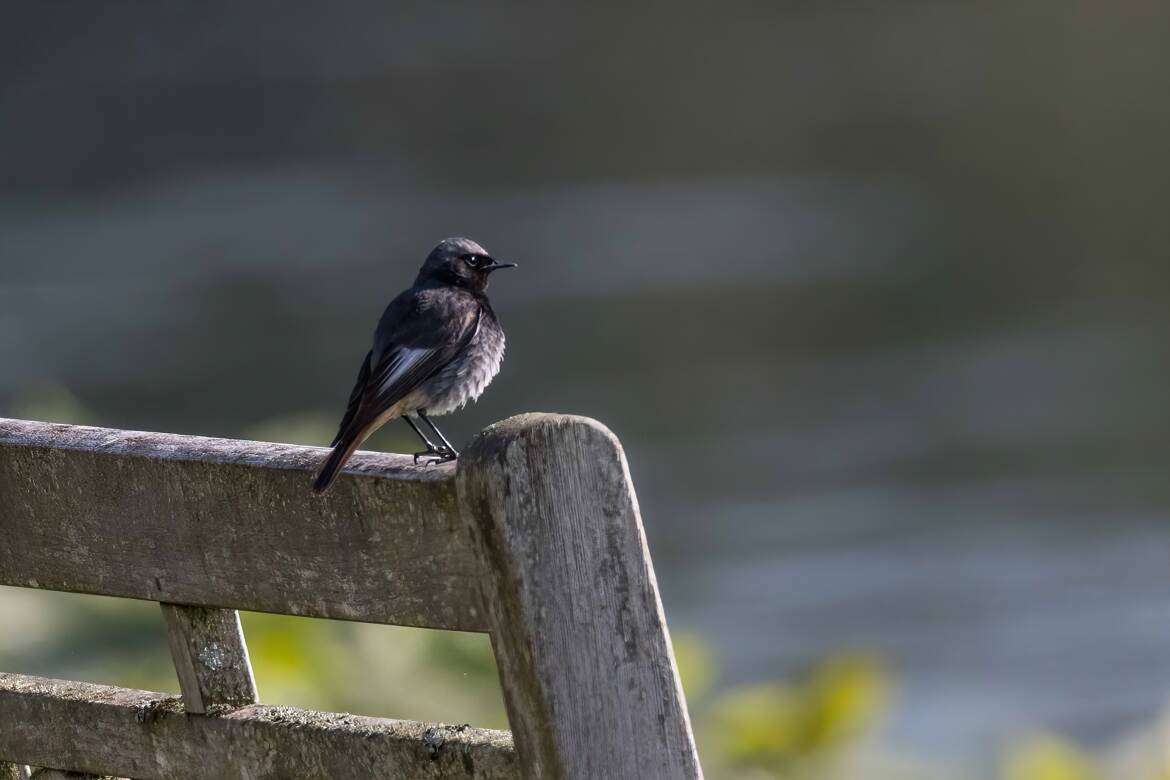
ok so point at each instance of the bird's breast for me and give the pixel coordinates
(465, 377)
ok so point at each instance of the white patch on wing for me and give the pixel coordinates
(402, 361)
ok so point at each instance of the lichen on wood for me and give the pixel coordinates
(147, 735)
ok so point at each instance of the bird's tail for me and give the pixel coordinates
(332, 466)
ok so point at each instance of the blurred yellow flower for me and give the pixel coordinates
(1046, 757)
(775, 725)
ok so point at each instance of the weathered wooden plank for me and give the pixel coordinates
(225, 523)
(211, 657)
(104, 730)
(587, 669)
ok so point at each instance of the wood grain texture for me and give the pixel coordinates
(104, 730)
(225, 523)
(211, 657)
(586, 665)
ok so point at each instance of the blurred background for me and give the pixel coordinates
(875, 295)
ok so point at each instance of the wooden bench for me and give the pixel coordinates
(534, 538)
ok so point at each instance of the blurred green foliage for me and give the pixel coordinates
(375, 670)
(791, 728)
(778, 725)
(52, 402)
(821, 725)
(1046, 757)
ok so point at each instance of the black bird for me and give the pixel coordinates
(436, 347)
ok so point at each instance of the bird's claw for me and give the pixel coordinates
(436, 455)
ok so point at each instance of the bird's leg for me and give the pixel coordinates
(447, 451)
(431, 450)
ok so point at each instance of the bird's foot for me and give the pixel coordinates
(435, 455)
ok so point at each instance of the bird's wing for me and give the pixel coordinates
(413, 343)
(355, 399)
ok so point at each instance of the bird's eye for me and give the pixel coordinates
(473, 260)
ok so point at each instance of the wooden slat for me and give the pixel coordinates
(586, 665)
(104, 730)
(211, 657)
(225, 523)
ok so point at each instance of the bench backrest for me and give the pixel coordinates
(534, 537)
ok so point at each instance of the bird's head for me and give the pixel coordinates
(459, 262)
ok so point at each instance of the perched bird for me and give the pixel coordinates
(436, 347)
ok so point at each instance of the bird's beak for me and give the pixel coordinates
(497, 266)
